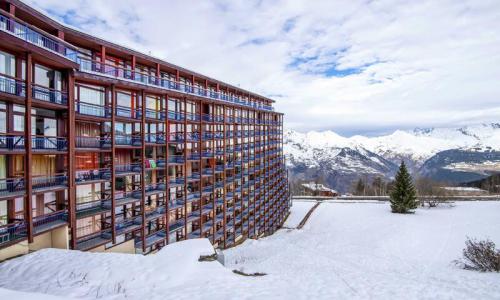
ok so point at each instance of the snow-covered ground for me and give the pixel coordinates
(357, 250)
(298, 211)
(363, 251)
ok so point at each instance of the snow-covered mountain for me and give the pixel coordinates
(331, 156)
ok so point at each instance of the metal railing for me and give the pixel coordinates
(11, 85)
(12, 232)
(49, 143)
(92, 142)
(47, 219)
(10, 186)
(92, 109)
(49, 95)
(35, 37)
(91, 175)
(12, 142)
(88, 65)
(42, 182)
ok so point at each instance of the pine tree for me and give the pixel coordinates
(403, 194)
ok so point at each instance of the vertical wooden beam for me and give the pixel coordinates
(143, 169)
(225, 187)
(11, 9)
(71, 159)
(200, 123)
(27, 148)
(113, 161)
(133, 67)
(103, 58)
(167, 178)
(184, 172)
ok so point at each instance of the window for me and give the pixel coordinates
(90, 94)
(124, 99)
(47, 78)
(7, 64)
(19, 123)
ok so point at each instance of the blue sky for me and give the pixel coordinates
(355, 67)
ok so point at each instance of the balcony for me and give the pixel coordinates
(12, 142)
(128, 169)
(96, 67)
(50, 143)
(178, 224)
(58, 181)
(11, 85)
(12, 187)
(91, 208)
(49, 221)
(176, 116)
(128, 140)
(152, 239)
(89, 176)
(155, 188)
(154, 114)
(12, 232)
(124, 198)
(92, 110)
(155, 138)
(155, 214)
(93, 240)
(49, 95)
(176, 137)
(176, 181)
(127, 112)
(37, 38)
(128, 225)
(175, 159)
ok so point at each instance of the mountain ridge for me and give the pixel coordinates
(329, 155)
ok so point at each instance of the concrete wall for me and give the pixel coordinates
(20, 248)
(57, 238)
(127, 247)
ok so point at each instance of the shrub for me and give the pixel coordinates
(480, 256)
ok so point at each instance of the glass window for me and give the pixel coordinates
(91, 94)
(7, 64)
(3, 122)
(48, 78)
(123, 99)
(18, 123)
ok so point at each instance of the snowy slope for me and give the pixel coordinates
(362, 251)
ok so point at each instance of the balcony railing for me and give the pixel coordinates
(176, 137)
(49, 95)
(129, 140)
(12, 142)
(87, 65)
(154, 114)
(49, 221)
(92, 110)
(155, 138)
(45, 182)
(93, 142)
(49, 143)
(11, 85)
(11, 186)
(176, 159)
(93, 175)
(12, 232)
(128, 168)
(35, 37)
(127, 112)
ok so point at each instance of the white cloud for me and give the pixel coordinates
(423, 63)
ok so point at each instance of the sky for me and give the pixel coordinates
(354, 67)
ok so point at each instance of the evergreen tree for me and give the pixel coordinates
(403, 194)
(359, 190)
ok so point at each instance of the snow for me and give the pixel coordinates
(298, 211)
(418, 144)
(363, 251)
(345, 250)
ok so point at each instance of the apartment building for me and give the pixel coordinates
(103, 148)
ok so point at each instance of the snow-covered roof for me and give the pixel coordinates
(318, 187)
(463, 189)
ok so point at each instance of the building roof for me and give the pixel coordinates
(318, 187)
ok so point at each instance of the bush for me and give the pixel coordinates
(480, 256)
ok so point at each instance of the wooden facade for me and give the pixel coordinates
(119, 146)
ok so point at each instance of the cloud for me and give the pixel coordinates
(351, 66)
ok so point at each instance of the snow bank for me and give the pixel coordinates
(298, 211)
(101, 275)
